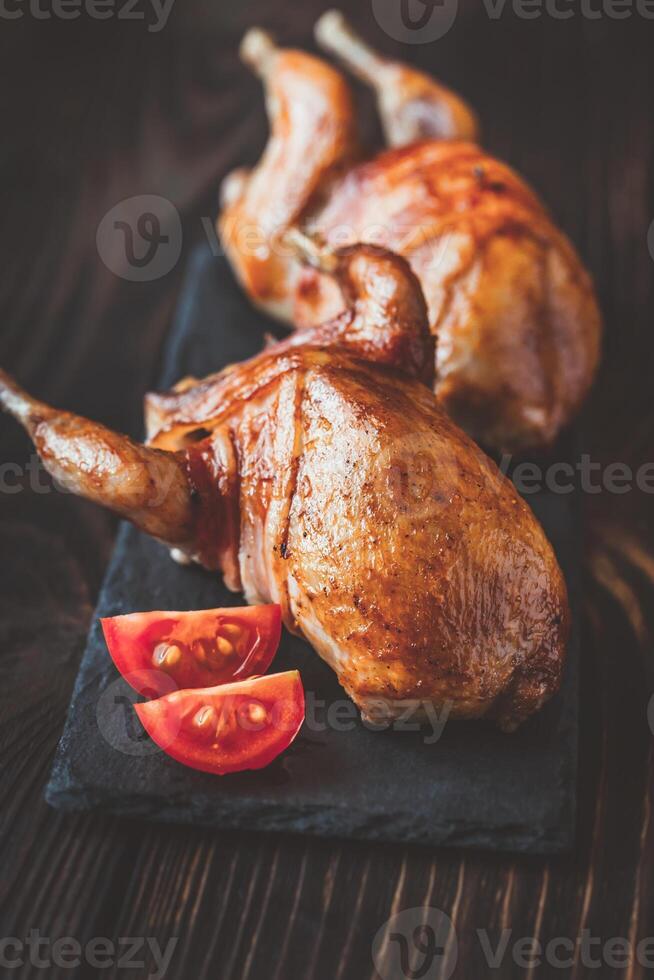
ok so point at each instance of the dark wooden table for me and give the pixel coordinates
(96, 111)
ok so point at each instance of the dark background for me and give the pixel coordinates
(96, 111)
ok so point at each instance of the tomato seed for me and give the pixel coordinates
(199, 651)
(224, 647)
(166, 655)
(257, 713)
(232, 631)
(206, 717)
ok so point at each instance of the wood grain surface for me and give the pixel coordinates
(97, 111)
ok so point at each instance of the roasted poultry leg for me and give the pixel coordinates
(336, 486)
(312, 133)
(412, 106)
(512, 308)
(147, 486)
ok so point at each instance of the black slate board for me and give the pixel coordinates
(473, 787)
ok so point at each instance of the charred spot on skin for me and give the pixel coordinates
(197, 435)
(283, 549)
(479, 173)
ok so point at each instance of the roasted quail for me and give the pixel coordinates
(322, 475)
(512, 307)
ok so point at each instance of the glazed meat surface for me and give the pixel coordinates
(392, 543)
(322, 474)
(510, 304)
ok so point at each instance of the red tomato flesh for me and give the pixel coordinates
(228, 728)
(192, 649)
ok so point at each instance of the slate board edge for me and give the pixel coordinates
(65, 792)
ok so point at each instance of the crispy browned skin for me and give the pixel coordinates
(392, 543)
(385, 317)
(337, 487)
(384, 321)
(312, 133)
(513, 310)
(510, 303)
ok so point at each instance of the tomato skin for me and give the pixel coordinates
(229, 728)
(189, 647)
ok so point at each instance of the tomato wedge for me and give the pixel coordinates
(193, 649)
(228, 728)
